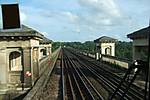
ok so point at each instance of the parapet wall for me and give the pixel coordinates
(111, 59)
(44, 62)
(45, 73)
(118, 61)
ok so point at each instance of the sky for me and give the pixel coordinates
(83, 20)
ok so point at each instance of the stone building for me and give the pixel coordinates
(140, 43)
(20, 53)
(45, 47)
(105, 45)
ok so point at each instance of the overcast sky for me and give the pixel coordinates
(84, 20)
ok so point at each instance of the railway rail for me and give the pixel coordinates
(76, 85)
(78, 73)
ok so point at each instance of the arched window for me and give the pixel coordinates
(43, 51)
(108, 51)
(15, 61)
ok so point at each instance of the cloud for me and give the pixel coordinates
(72, 17)
(78, 30)
(65, 20)
(102, 15)
(93, 14)
(108, 7)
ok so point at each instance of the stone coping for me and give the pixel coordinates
(43, 79)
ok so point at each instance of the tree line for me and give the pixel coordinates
(122, 49)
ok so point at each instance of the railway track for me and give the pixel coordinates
(78, 72)
(76, 85)
(135, 93)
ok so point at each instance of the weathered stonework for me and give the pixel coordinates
(19, 54)
(104, 45)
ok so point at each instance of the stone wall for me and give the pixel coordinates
(114, 60)
(111, 59)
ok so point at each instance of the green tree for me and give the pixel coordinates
(124, 50)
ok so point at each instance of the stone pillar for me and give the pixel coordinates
(38, 59)
(113, 50)
(97, 56)
(100, 56)
(37, 64)
(38, 53)
(34, 63)
(27, 66)
(50, 51)
(96, 53)
(47, 51)
(3, 68)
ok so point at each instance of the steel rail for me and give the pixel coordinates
(107, 76)
(90, 85)
(74, 82)
(62, 78)
(116, 80)
(85, 91)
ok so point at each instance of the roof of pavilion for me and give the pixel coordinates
(105, 39)
(45, 41)
(23, 31)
